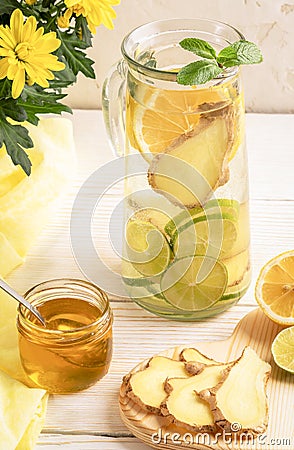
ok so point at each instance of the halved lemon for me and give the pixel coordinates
(274, 289)
(181, 288)
(283, 349)
(147, 248)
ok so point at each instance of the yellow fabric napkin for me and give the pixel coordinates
(22, 413)
(22, 409)
(26, 202)
(9, 354)
(25, 205)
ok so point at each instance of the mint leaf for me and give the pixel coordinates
(198, 72)
(71, 48)
(199, 47)
(240, 52)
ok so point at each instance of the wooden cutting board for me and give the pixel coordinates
(257, 331)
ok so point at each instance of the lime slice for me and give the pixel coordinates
(147, 248)
(215, 206)
(181, 288)
(220, 235)
(155, 216)
(283, 349)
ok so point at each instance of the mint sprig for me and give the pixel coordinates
(212, 65)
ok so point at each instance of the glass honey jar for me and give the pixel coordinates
(74, 350)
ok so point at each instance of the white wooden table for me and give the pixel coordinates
(90, 420)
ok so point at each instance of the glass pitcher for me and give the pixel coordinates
(186, 229)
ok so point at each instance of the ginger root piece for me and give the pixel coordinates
(146, 387)
(241, 396)
(196, 163)
(192, 354)
(196, 361)
(185, 407)
(237, 267)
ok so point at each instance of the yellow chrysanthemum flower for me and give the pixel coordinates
(97, 12)
(26, 53)
(64, 21)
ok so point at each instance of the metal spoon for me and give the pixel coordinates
(8, 289)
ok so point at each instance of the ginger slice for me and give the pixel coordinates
(146, 387)
(185, 407)
(196, 163)
(241, 396)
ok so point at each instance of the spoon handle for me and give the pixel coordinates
(10, 291)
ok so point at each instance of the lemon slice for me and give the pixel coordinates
(166, 115)
(206, 231)
(274, 289)
(180, 287)
(147, 248)
(283, 349)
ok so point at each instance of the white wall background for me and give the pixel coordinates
(269, 87)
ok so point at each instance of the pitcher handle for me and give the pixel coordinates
(113, 105)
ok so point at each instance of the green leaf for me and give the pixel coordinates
(198, 72)
(46, 3)
(5, 88)
(11, 109)
(8, 6)
(82, 26)
(240, 52)
(60, 84)
(35, 100)
(64, 78)
(71, 48)
(198, 47)
(16, 138)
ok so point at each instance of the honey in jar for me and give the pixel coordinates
(74, 350)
